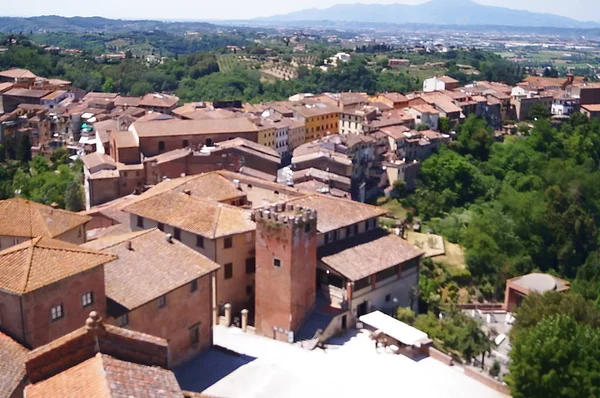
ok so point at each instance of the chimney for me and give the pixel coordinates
(236, 183)
(128, 245)
(169, 238)
(570, 78)
(187, 192)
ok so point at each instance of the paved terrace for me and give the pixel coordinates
(259, 367)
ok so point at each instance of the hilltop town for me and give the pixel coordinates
(155, 246)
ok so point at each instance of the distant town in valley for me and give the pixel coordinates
(276, 206)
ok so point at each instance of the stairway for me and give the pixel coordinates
(316, 323)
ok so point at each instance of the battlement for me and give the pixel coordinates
(285, 214)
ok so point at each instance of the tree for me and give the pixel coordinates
(108, 85)
(422, 127)
(495, 369)
(74, 198)
(405, 314)
(538, 112)
(398, 189)
(2, 154)
(444, 124)
(24, 149)
(556, 358)
(536, 307)
(141, 88)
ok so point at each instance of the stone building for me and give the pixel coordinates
(173, 291)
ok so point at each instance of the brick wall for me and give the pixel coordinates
(440, 356)
(149, 145)
(284, 293)
(184, 309)
(39, 329)
(488, 381)
(11, 321)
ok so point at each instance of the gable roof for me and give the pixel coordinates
(17, 73)
(103, 376)
(159, 100)
(12, 364)
(43, 261)
(174, 127)
(335, 213)
(24, 218)
(208, 186)
(157, 265)
(209, 219)
(96, 159)
(368, 254)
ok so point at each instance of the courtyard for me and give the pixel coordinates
(246, 365)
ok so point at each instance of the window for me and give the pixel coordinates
(355, 229)
(162, 301)
(186, 143)
(228, 242)
(277, 262)
(194, 334)
(348, 232)
(56, 312)
(161, 226)
(123, 320)
(161, 145)
(228, 271)
(249, 290)
(388, 297)
(307, 227)
(124, 174)
(199, 241)
(140, 221)
(87, 299)
(251, 265)
(249, 237)
(177, 233)
(194, 285)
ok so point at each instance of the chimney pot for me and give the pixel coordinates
(169, 238)
(129, 246)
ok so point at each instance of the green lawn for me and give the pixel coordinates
(395, 209)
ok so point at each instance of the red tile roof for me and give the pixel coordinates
(12, 364)
(42, 261)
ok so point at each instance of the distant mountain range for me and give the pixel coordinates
(55, 23)
(436, 12)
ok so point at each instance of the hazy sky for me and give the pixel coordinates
(246, 9)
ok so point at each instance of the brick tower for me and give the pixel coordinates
(286, 269)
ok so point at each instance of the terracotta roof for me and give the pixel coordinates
(193, 111)
(396, 132)
(169, 156)
(127, 101)
(104, 174)
(112, 209)
(16, 73)
(103, 376)
(159, 100)
(125, 139)
(367, 254)
(337, 213)
(12, 364)
(423, 108)
(321, 187)
(96, 159)
(448, 79)
(591, 107)
(320, 175)
(251, 148)
(209, 219)
(207, 186)
(54, 95)
(25, 92)
(249, 171)
(316, 109)
(192, 127)
(24, 218)
(95, 95)
(157, 266)
(154, 116)
(5, 86)
(42, 261)
(395, 97)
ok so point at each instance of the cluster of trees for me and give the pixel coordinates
(555, 347)
(45, 181)
(525, 204)
(455, 332)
